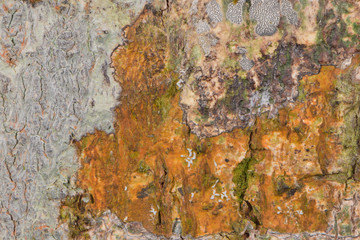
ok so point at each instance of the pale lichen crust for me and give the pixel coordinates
(214, 12)
(55, 86)
(287, 11)
(246, 63)
(202, 27)
(267, 15)
(234, 12)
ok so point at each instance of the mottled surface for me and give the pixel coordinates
(200, 119)
(56, 86)
(234, 12)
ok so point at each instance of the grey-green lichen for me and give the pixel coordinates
(55, 86)
(348, 98)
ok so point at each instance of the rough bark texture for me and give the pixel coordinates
(200, 119)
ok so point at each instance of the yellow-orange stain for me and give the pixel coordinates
(142, 165)
(140, 172)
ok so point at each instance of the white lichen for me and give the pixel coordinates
(287, 10)
(234, 12)
(245, 63)
(214, 12)
(202, 27)
(267, 15)
(214, 194)
(190, 158)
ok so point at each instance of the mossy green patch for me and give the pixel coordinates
(230, 63)
(163, 103)
(221, 140)
(348, 95)
(143, 167)
(356, 28)
(302, 93)
(241, 176)
(196, 54)
(304, 3)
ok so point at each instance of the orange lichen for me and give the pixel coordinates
(141, 172)
(302, 175)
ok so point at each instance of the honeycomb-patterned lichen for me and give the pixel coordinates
(234, 12)
(193, 9)
(240, 50)
(288, 11)
(214, 12)
(206, 42)
(205, 45)
(267, 15)
(202, 27)
(246, 63)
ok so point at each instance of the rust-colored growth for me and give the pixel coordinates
(139, 171)
(302, 173)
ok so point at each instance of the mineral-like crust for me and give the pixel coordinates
(158, 120)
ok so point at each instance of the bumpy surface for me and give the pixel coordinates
(267, 15)
(161, 120)
(234, 12)
(214, 12)
(55, 86)
(288, 11)
(202, 27)
(246, 64)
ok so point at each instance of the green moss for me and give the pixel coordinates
(163, 103)
(236, 91)
(280, 185)
(302, 93)
(348, 96)
(230, 63)
(241, 176)
(284, 68)
(221, 140)
(225, 4)
(297, 7)
(304, 3)
(345, 229)
(338, 177)
(84, 142)
(239, 226)
(208, 206)
(334, 33)
(143, 167)
(356, 28)
(133, 155)
(196, 54)
(187, 225)
(342, 6)
(208, 179)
